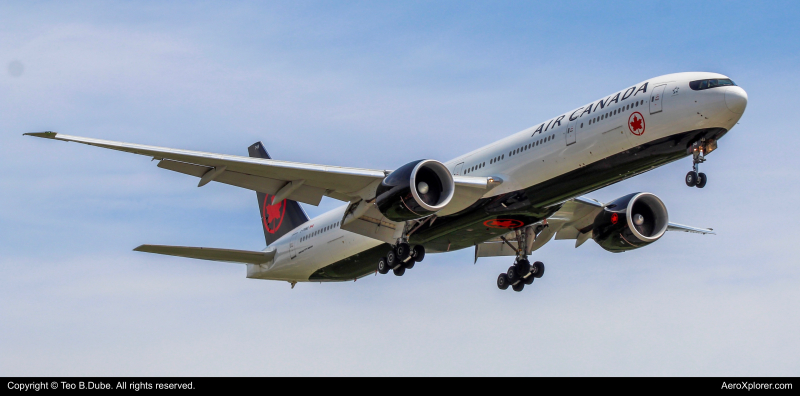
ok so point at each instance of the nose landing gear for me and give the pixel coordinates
(695, 178)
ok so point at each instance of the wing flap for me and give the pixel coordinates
(304, 194)
(684, 228)
(213, 254)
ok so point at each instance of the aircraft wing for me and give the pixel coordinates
(203, 253)
(576, 215)
(572, 221)
(300, 182)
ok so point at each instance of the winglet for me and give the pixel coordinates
(47, 134)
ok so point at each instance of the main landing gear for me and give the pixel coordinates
(401, 258)
(695, 178)
(522, 272)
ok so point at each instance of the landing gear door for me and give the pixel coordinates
(571, 132)
(293, 245)
(657, 98)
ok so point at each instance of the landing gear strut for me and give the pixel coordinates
(522, 272)
(695, 178)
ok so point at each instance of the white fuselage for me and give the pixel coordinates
(559, 145)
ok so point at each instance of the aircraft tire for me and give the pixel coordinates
(502, 281)
(701, 180)
(528, 280)
(391, 259)
(403, 251)
(691, 179)
(399, 271)
(419, 253)
(513, 275)
(518, 287)
(383, 266)
(409, 264)
(523, 267)
(539, 266)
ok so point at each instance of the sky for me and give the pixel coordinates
(376, 85)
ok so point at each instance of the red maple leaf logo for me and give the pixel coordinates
(636, 123)
(503, 223)
(272, 214)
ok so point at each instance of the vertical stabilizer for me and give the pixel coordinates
(277, 218)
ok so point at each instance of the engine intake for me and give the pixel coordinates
(415, 190)
(630, 222)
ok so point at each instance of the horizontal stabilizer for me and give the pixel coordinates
(203, 253)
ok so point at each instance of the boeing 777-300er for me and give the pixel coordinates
(505, 199)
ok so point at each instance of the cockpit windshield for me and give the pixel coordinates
(700, 85)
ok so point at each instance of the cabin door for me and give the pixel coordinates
(657, 98)
(571, 132)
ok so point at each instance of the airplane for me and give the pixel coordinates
(508, 198)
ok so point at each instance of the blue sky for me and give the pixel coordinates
(377, 85)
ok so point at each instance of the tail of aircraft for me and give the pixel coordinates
(277, 218)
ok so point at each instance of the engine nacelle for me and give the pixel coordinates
(630, 222)
(415, 190)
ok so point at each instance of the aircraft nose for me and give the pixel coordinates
(736, 99)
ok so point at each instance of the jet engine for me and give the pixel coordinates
(630, 222)
(415, 190)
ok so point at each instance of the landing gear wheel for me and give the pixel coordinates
(691, 179)
(523, 267)
(383, 266)
(538, 269)
(409, 264)
(528, 280)
(391, 259)
(399, 271)
(419, 253)
(502, 282)
(513, 276)
(518, 287)
(701, 180)
(403, 251)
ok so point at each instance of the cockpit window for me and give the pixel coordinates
(700, 85)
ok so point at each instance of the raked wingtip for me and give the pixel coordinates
(47, 134)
